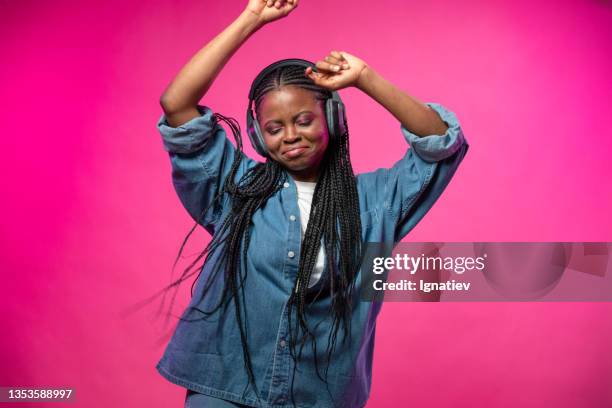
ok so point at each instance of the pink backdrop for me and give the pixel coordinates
(91, 222)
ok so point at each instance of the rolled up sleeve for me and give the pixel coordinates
(201, 156)
(190, 136)
(434, 148)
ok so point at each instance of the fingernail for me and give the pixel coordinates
(335, 67)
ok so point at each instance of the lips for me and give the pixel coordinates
(294, 151)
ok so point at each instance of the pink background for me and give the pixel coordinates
(91, 223)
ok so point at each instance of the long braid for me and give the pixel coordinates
(335, 204)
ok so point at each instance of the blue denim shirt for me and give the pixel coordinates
(205, 355)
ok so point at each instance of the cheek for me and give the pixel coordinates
(270, 143)
(319, 135)
(323, 143)
(323, 140)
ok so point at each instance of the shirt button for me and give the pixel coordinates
(292, 217)
(283, 343)
(286, 184)
(291, 254)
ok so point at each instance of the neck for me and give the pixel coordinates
(311, 176)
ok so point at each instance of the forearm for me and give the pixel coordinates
(416, 117)
(196, 77)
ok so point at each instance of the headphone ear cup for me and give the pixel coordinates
(255, 135)
(341, 119)
(331, 115)
(261, 144)
(334, 112)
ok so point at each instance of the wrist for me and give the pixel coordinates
(365, 78)
(250, 20)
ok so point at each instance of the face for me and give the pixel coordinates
(294, 128)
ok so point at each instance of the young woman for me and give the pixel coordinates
(276, 319)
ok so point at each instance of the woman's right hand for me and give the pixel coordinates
(271, 10)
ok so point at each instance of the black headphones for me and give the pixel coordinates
(334, 108)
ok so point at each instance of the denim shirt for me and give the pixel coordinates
(205, 354)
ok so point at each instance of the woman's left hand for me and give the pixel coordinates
(337, 70)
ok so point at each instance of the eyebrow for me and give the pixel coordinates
(294, 117)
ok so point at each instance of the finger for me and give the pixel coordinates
(337, 55)
(312, 75)
(335, 61)
(269, 3)
(332, 60)
(326, 66)
(322, 80)
(340, 59)
(278, 4)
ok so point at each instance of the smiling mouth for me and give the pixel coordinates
(295, 152)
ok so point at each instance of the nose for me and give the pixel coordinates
(291, 135)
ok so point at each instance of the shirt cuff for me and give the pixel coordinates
(190, 136)
(434, 148)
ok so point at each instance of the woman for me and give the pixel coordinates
(275, 319)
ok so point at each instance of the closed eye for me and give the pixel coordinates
(301, 124)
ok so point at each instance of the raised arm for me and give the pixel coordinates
(180, 99)
(340, 69)
(200, 152)
(417, 117)
(405, 192)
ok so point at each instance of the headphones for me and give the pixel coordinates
(334, 108)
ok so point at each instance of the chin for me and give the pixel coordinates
(297, 164)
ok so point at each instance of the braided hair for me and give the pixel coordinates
(335, 204)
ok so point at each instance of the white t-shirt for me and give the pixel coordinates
(305, 192)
